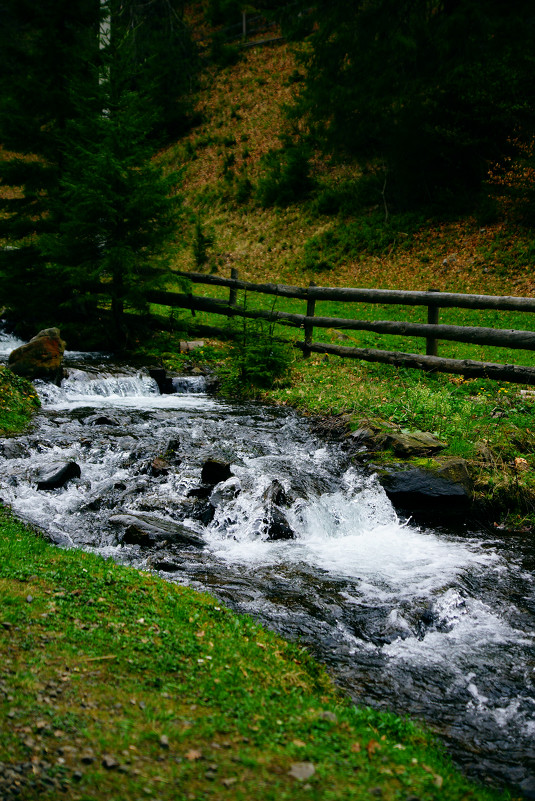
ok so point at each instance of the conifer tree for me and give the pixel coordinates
(45, 47)
(430, 91)
(92, 212)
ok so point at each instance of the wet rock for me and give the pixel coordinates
(165, 566)
(165, 384)
(41, 357)
(171, 450)
(276, 494)
(159, 467)
(60, 477)
(100, 420)
(225, 492)
(277, 527)
(199, 509)
(214, 471)
(12, 449)
(423, 492)
(415, 443)
(200, 492)
(148, 530)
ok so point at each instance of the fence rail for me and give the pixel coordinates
(431, 332)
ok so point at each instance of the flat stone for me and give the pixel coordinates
(415, 443)
(148, 529)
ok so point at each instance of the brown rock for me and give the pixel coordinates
(41, 357)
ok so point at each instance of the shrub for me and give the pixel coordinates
(286, 177)
(258, 359)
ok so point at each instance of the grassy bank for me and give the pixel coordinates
(18, 401)
(116, 684)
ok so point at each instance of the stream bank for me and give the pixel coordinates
(429, 621)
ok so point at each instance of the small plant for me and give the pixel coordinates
(202, 243)
(258, 359)
(286, 178)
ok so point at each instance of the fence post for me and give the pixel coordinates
(244, 24)
(431, 344)
(309, 329)
(233, 293)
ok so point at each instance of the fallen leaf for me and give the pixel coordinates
(302, 770)
(356, 748)
(372, 746)
(229, 782)
(193, 754)
(299, 743)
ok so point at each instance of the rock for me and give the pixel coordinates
(302, 770)
(456, 470)
(415, 443)
(200, 492)
(165, 384)
(60, 477)
(199, 509)
(187, 347)
(361, 437)
(171, 450)
(278, 527)
(165, 566)
(100, 420)
(159, 467)
(41, 357)
(147, 530)
(225, 491)
(421, 491)
(214, 471)
(276, 494)
(109, 762)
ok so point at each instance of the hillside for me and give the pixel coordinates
(243, 119)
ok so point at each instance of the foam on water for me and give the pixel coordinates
(429, 614)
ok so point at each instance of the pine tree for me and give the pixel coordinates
(428, 91)
(118, 216)
(93, 212)
(45, 47)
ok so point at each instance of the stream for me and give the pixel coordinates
(435, 624)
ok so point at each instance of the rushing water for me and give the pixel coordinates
(435, 624)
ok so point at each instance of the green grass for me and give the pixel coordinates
(18, 401)
(180, 696)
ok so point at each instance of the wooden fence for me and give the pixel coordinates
(432, 331)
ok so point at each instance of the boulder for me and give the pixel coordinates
(277, 526)
(60, 477)
(165, 384)
(422, 492)
(415, 443)
(146, 530)
(214, 471)
(41, 357)
(276, 494)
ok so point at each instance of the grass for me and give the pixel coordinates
(18, 401)
(116, 684)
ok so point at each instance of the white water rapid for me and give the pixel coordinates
(437, 624)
